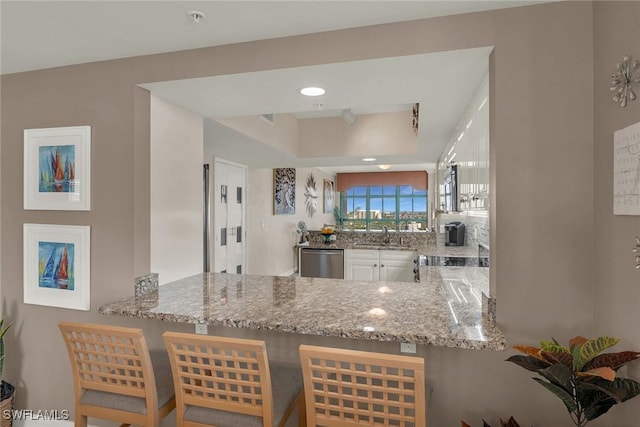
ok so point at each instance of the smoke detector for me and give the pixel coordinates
(196, 16)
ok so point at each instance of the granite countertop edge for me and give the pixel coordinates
(496, 343)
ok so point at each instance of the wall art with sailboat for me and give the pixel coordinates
(57, 265)
(57, 168)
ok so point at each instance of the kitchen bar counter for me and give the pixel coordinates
(423, 313)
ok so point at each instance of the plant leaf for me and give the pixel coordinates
(631, 387)
(485, 424)
(529, 363)
(576, 341)
(553, 347)
(465, 424)
(566, 398)
(591, 348)
(512, 422)
(529, 350)
(594, 411)
(610, 389)
(612, 360)
(575, 344)
(559, 375)
(604, 372)
(564, 358)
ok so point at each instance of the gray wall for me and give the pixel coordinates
(542, 92)
(616, 281)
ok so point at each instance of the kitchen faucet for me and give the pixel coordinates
(385, 238)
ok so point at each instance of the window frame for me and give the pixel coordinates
(394, 223)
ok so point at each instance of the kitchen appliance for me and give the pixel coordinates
(454, 233)
(328, 263)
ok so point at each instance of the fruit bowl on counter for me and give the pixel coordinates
(327, 232)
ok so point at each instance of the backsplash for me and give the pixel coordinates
(410, 239)
(477, 228)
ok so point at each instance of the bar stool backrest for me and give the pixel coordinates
(348, 387)
(110, 359)
(228, 374)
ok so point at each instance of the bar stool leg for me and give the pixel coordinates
(302, 411)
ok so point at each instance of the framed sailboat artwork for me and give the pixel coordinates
(57, 168)
(57, 265)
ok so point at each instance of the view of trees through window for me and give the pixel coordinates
(399, 207)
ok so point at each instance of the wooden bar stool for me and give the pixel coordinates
(359, 388)
(229, 382)
(115, 377)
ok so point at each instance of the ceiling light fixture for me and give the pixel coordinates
(348, 116)
(384, 167)
(312, 91)
(196, 16)
(369, 159)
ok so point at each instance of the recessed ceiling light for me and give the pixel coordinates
(312, 91)
(196, 16)
(369, 159)
(384, 167)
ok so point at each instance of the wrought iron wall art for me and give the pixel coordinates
(623, 79)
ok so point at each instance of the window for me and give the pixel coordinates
(400, 207)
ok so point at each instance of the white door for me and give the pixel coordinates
(229, 217)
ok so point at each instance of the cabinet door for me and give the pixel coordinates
(361, 265)
(397, 266)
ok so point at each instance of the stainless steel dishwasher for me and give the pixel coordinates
(327, 263)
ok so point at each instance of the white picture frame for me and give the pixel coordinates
(57, 265)
(57, 168)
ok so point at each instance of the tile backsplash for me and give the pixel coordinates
(409, 238)
(477, 228)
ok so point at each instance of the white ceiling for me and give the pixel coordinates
(44, 34)
(443, 83)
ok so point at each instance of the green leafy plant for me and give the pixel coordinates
(6, 389)
(3, 330)
(511, 422)
(585, 380)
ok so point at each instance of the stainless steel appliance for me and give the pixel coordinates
(327, 263)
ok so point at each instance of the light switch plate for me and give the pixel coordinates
(407, 347)
(201, 328)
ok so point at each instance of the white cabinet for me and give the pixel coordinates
(374, 265)
(361, 264)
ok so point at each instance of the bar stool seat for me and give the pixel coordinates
(286, 383)
(164, 385)
(228, 382)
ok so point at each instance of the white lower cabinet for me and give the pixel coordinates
(383, 265)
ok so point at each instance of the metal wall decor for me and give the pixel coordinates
(311, 196)
(622, 80)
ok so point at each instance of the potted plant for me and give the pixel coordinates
(511, 422)
(585, 380)
(7, 391)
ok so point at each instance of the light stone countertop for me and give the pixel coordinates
(438, 311)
